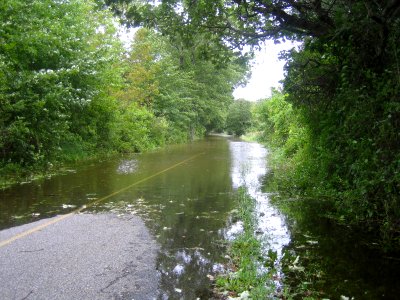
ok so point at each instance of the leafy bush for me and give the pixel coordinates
(56, 62)
(336, 136)
(139, 130)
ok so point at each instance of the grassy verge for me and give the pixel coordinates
(248, 274)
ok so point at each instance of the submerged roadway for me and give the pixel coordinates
(81, 255)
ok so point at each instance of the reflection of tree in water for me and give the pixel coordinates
(338, 261)
(186, 209)
(190, 250)
(184, 273)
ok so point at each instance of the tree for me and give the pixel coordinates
(141, 71)
(190, 93)
(56, 60)
(239, 117)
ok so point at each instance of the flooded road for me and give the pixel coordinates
(185, 196)
(183, 193)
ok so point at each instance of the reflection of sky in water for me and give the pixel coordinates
(248, 169)
(127, 166)
(234, 230)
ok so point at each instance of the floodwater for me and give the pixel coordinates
(185, 195)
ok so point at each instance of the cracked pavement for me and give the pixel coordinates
(84, 256)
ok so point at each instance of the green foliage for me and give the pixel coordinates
(352, 115)
(56, 67)
(142, 70)
(183, 24)
(279, 124)
(239, 117)
(282, 128)
(67, 91)
(139, 130)
(193, 97)
(336, 136)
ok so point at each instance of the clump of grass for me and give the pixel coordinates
(248, 272)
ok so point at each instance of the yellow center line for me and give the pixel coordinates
(60, 218)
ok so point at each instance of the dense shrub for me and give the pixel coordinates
(336, 136)
(56, 61)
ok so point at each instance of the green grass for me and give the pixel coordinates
(245, 252)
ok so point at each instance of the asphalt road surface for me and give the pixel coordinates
(82, 256)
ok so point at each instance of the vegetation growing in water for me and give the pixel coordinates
(251, 274)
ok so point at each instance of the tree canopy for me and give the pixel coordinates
(248, 22)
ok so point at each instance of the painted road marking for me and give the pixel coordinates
(60, 218)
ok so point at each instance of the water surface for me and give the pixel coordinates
(186, 206)
(185, 195)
